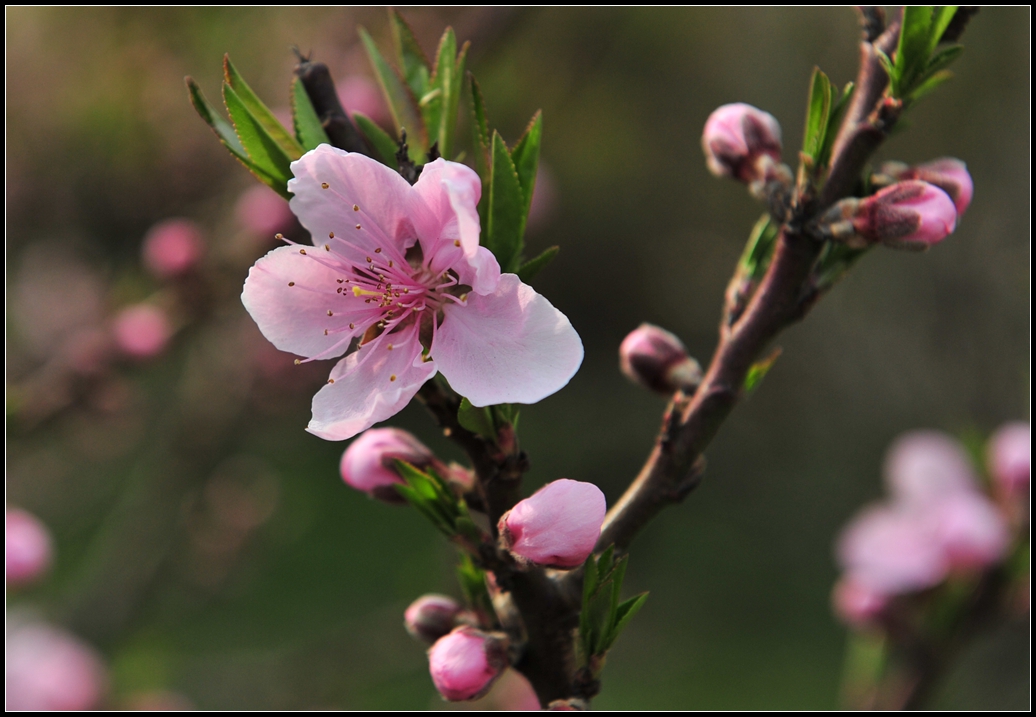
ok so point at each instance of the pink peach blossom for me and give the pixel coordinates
(361, 94)
(1009, 456)
(465, 663)
(27, 547)
(172, 247)
(906, 215)
(367, 464)
(48, 669)
(735, 136)
(262, 211)
(856, 604)
(556, 526)
(921, 466)
(970, 530)
(142, 331)
(399, 270)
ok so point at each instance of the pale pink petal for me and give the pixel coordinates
(449, 229)
(925, 465)
(370, 385)
(381, 196)
(289, 294)
(511, 346)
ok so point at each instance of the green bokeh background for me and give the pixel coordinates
(102, 143)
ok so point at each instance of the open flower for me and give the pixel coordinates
(399, 271)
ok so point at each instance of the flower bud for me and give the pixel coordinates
(142, 331)
(741, 141)
(892, 550)
(431, 616)
(1009, 456)
(971, 531)
(857, 605)
(948, 174)
(27, 547)
(657, 359)
(557, 526)
(923, 466)
(172, 248)
(465, 663)
(906, 215)
(368, 464)
(48, 669)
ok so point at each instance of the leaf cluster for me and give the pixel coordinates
(919, 64)
(603, 616)
(433, 498)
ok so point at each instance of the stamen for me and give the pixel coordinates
(291, 283)
(456, 242)
(324, 185)
(330, 235)
(378, 250)
(302, 251)
(297, 362)
(330, 380)
(392, 377)
(390, 347)
(326, 247)
(356, 208)
(325, 332)
(278, 236)
(330, 313)
(357, 226)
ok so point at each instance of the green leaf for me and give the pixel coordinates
(759, 369)
(929, 85)
(913, 51)
(265, 154)
(480, 126)
(437, 113)
(834, 123)
(943, 58)
(308, 129)
(260, 112)
(941, 19)
(890, 70)
(476, 420)
(225, 131)
(526, 157)
(533, 267)
(605, 564)
(506, 215)
(411, 57)
(401, 101)
(379, 139)
(625, 613)
(817, 114)
(618, 575)
(756, 255)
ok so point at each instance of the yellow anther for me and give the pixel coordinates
(278, 236)
(330, 235)
(356, 208)
(357, 291)
(357, 226)
(330, 380)
(390, 347)
(324, 185)
(392, 377)
(327, 248)
(352, 325)
(302, 251)
(297, 362)
(378, 250)
(330, 313)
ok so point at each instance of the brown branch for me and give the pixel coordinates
(320, 89)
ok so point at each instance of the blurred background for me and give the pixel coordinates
(205, 544)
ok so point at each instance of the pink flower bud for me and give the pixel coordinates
(465, 663)
(172, 248)
(430, 617)
(736, 136)
(948, 174)
(360, 94)
(28, 551)
(657, 359)
(892, 550)
(262, 211)
(1009, 456)
(906, 215)
(142, 331)
(49, 669)
(557, 526)
(856, 604)
(971, 531)
(368, 463)
(922, 466)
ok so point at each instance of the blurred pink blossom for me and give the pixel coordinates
(921, 466)
(263, 212)
(142, 331)
(544, 198)
(971, 531)
(27, 547)
(856, 604)
(359, 93)
(172, 247)
(465, 663)
(556, 526)
(49, 669)
(1009, 456)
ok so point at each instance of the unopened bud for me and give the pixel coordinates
(906, 215)
(1010, 456)
(465, 663)
(431, 616)
(172, 248)
(557, 526)
(743, 142)
(27, 547)
(142, 331)
(656, 359)
(948, 174)
(368, 464)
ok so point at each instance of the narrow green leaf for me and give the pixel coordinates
(213, 119)
(480, 128)
(929, 85)
(817, 113)
(409, 54)
(265, 154)
(605, 565)
(618, 575)
(912, 52)
(379, 139)
(506, 215)
(308, 129)
(401, 101)
(476, 420)
(943, 58)
(452, 103)
(526, 157)
(759, 370)
(941, 18)
(625, 613)
(756, 254)
(436, 112)
(533, 267)
(891, 70)
(834, 123)
(260, 112)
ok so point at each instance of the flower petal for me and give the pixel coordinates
(370, 385)
(511, 346)
(381, 196)
(288, 295)
(447, 222)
